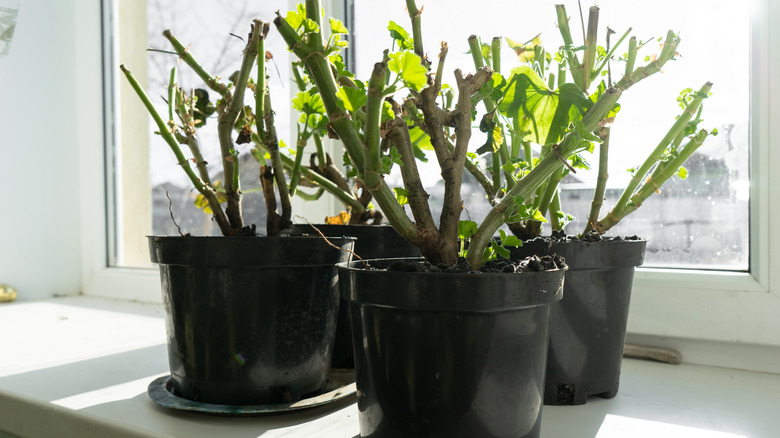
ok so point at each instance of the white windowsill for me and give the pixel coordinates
(80, 366)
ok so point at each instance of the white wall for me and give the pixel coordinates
(44, 105)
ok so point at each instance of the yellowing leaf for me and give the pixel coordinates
(341, 219)
(498, 138)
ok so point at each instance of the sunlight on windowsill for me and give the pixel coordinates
(616, 426)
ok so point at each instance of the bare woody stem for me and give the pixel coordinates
(187, 117)
(162, 127)
(418, 197)
(278, 167)
(228, 114)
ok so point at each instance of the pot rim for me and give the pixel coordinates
(436, 291)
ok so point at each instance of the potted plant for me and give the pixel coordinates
(440, 352)
(250, 319)
(359, 219)
(588, 327)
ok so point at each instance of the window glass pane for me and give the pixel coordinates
(699, 222)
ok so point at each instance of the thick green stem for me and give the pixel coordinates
(165, 133)
(171, 95)
(310, 196)
(633, 50)
(295, 172)
(495, 52)
(551, 190)
(188, 59)
(591, 46)
(601, 181)
(315, 41)
(476, 51)
(667, 52)
(546, 167)
(340, 120)
(571, 58)
(320, 151)
(652, 184)
(373, 153)
(320, 72)
(652, 159)
(414, 15)
(556, 223)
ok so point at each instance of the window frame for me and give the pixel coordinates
(696, 304)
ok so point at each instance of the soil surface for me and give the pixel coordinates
(503, 265)
(591, 236)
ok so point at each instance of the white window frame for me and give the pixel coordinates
(705, 305)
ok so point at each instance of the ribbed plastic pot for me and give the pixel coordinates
(449, 355)
(588, 327)
(249, 320)
(373, 242)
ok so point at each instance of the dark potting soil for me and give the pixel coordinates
(500, 264)
(590, 236)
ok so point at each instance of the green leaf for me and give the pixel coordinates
(467, 229)
(419, 154)
(296, 18)
(388, 160)
(401, 195)
(337, 27)
(420, 139)
(541, 115)
(509, 239)
(310, 26)
(682, 173)
(352, 98)
(524, 212)
(409, 67)
(584, 133)
(400, 36)
(308, 103)
(499, 250)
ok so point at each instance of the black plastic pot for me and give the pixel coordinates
(588, 327)
(373, 242)
(249, 320)
(449, 355)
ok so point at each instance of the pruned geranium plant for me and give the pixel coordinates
(366, 116)
(532, 110)
(243, 117)
(561, 118)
